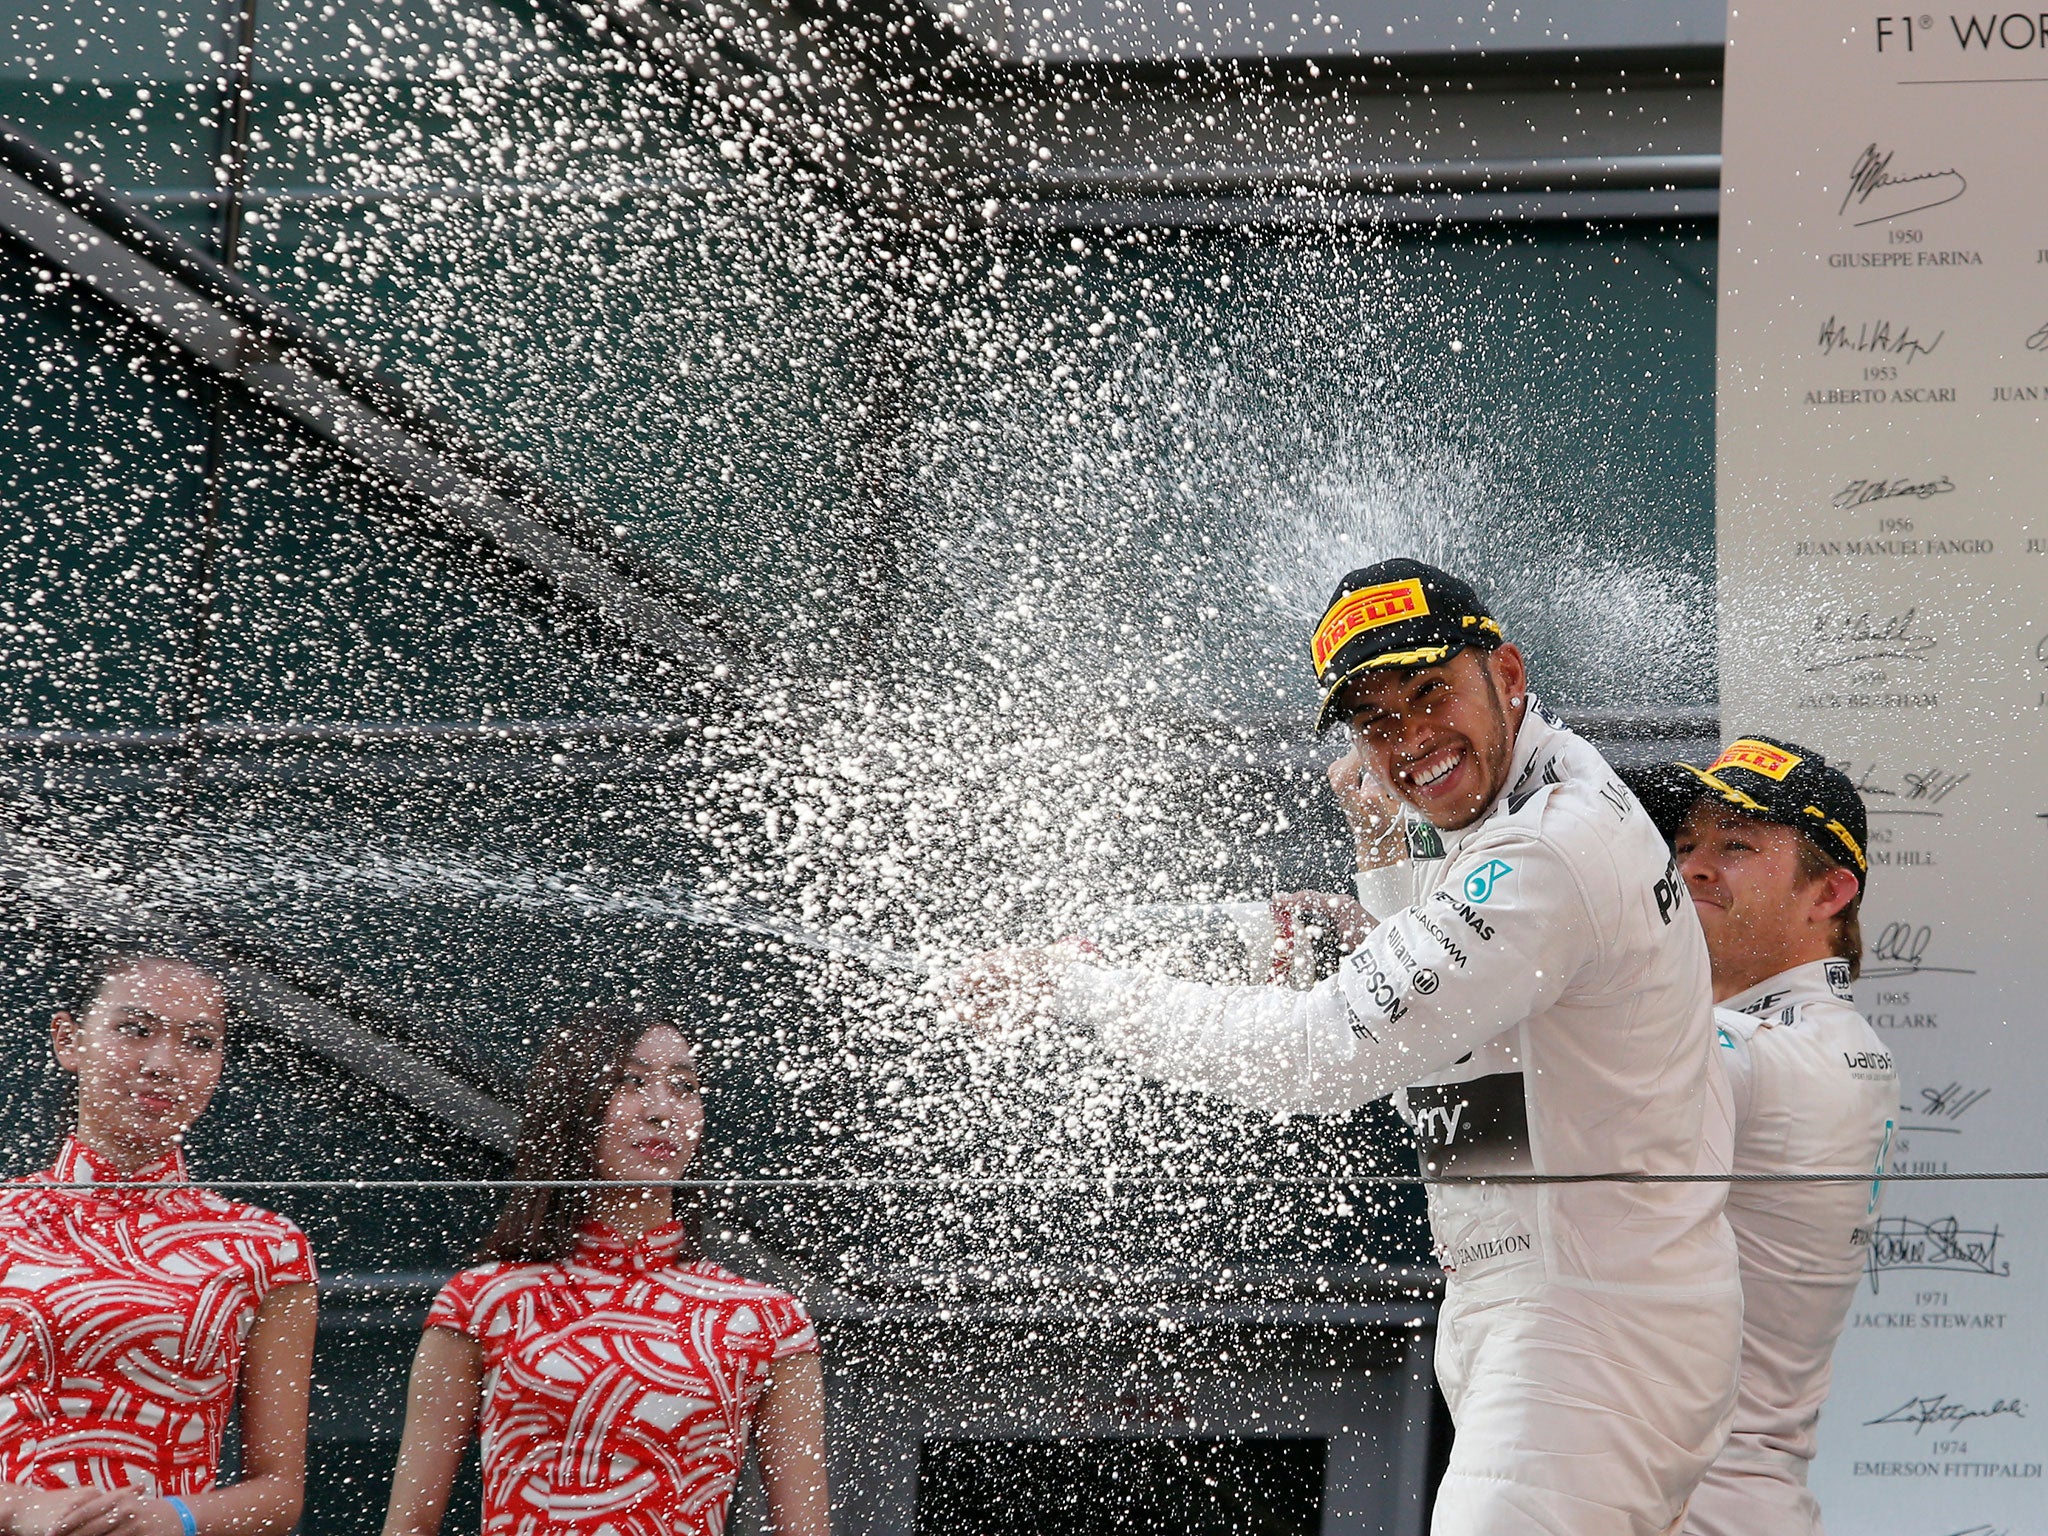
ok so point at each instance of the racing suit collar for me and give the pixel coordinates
(1538, 734)
(1814, 982)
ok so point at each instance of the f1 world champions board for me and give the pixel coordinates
(1883, 526)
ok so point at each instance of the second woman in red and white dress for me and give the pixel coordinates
(616, 1377)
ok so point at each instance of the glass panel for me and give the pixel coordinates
(1020, 535)
(1190, 437)
(1024, 1488)
(106, 436)
(130, 95)
(340, 602)
(557, 252)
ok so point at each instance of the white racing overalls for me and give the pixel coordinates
(1543, 1006)
(1814, 1091)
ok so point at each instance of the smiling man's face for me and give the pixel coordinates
(1442, 738)
(1761, 911)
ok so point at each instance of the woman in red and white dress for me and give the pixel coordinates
(135, 1322)
(615, 1376)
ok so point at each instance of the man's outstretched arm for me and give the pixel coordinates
(1433, 982)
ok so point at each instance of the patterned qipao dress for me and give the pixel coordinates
(123, 1313)
(619, 1386)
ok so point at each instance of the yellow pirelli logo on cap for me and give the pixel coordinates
(1758, 757)
(1367, 608)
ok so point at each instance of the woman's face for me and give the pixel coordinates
(147, 1055)
(656, 1116)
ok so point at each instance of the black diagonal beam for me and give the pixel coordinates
(238, 334)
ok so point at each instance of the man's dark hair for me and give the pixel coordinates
(568, 1092)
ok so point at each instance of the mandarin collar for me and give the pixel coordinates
(1815, 981)
(600, 1247)
(79, 1164)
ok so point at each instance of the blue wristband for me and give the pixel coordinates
(191, 1526)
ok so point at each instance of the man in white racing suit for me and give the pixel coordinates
(1770, 839)
(1541, 1003)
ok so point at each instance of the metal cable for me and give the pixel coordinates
(1107, 1177)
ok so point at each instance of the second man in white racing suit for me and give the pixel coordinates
(1770, 839)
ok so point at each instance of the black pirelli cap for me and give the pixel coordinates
(1398, 613)
(1794, 786)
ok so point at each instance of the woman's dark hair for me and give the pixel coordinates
(578, 1069)
(88, 979)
